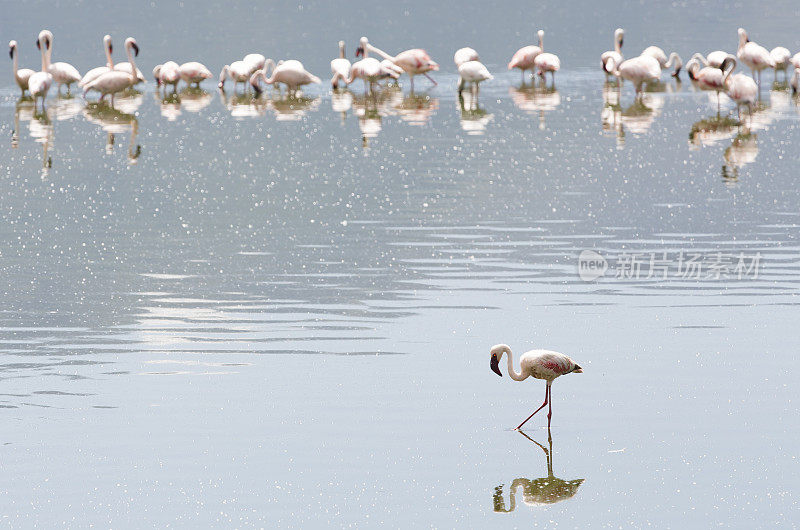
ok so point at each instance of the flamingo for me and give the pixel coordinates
(116, 80)
(39, 83)
(238, 71)
(637, 70)
(540, 364)
(547, 62)
(386, 64)
(413, 62)
(659, 55)
(525, 56)
(744, 91)
(340, 67)
(474, 73)
(167, 74)
(22, 75)
(795, 82)
(127, 66)
(63, 73)
(710, 78)
(368, 68)
(616, 53)
(780, 56)
(714, 58)
(254, 61)
(795, 60)
(94, 73)
(463, 55)
(291, 73)
(194, 73)
(754, 56)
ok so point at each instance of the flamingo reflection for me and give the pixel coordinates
(474, 119)
(114, 121)
(742, 151)
(536, 492)
(535, 100)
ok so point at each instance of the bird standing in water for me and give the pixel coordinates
(539, 364)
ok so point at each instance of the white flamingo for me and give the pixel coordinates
(129, 66)
(474, 73)
(539, 364)
(194, 73)
(340, 67)
(711, 78)
(636, 70)
(781, 57)
(368, 68)
(754, 56)
(21, 75)
(744, 91)
(525, 56)
(463, 55)
(795, 60)
(167, 74)
(237, 71)
(413, 62)
(547, 62)
(39, 83)
(254, 61)
(116, 80)
(63, 73)
(616, 53)
(290, 73)
(94, 73)
(714, 59)
(665, 63)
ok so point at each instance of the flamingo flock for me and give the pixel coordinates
(712, 72)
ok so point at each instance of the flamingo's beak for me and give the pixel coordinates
(577, 369)
(494, 365)
(359, 51)
(621, 40)
(110, 48)
(135, 48)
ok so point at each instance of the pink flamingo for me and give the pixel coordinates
(413, 62)
(525, 57)
(539, 364)
(616, 53)
(756, 57)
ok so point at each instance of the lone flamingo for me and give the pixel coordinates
(540, 364)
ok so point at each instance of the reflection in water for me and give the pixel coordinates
(545, 490)
(611, 115)
(195, 99)
(473, 118)
(114, 121)
(67, 107)
(710, 131)
(23, 111)
(535, 100)
(292, 107)
(742, 151)
(169, 104)
(341, 102)
(243, 105)
(41, 129)
(415, 109)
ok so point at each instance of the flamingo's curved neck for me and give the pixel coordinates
(16, 54)
(511, 372)
(380, 52)
(617, 45)
(341, 50)
(541, 41)
(45, 60)
(729, 71)
(109, 59)
(130, 60)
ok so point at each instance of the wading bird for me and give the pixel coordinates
(63, 73)
(464, 55)
(754, 56)
(368, 68)
(636, 70)
(39, 83)
(290, 73)
(117, 80)
(540, 364)
(94, 73)
(22, 75)
(658, 54)
(413, 62)
(340, 67)
(525, 56)
(616, 53)
(194, 73)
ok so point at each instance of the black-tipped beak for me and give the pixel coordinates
(677, 73)
(11, 52)
(135, 49)
(621, 41)
(577, 369)
(110, 48)
(359, 51)
(38, 45)
(494, 365)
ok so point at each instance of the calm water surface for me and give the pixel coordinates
(221, 312)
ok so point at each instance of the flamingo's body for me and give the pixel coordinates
(539, 364)
(636, 70)
(464, 55)
(117, 79)
(743, 90)
(167, 74)
(474, 73)
(39, 83)
(340, 67)
(713, 59)
(21, 75)
(795, 60)
(658, 54)
(413, 62)
(781, 57)
(754, 56)
(193, 72)
(254, 61)
(616, 53)
(711, 78)
(135, 72)
(237, 71)
(290, 73)
(94, 73)
(525, 56)
(547, 62)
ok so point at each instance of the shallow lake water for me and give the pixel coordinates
(221, 312)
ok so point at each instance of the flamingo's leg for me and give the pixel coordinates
(546, 400)
(429, 77)
(549, 410)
